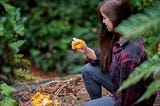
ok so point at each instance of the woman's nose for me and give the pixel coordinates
(103, 21)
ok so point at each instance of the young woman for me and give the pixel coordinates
(116, 59)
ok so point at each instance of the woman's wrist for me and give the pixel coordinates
(90, 53)
(85, 50)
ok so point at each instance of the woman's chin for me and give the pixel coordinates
(110, 30)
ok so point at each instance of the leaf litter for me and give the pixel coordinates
(66, 91)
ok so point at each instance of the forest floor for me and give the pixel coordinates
(68, 90)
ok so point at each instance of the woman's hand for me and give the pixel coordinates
(80, 46)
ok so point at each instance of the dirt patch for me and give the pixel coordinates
(38, 72)
(70, 90)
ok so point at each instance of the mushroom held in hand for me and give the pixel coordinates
(78, 43)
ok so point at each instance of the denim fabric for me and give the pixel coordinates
(94, 79)
(104, 101)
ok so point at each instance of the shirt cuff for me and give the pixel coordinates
(94, 62)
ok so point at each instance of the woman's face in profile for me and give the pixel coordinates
(107, 22)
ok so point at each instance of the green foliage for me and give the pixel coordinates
(72, 58)
(143, 71)
(15, 45)
(51, 25)
(139, 5)
(144, 24)
(150, 90)
(21, 75)
(6, 91)
(11, 39)
(141, 23)
(8, 102)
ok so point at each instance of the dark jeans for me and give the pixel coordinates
(94, 79)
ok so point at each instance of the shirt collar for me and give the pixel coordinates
(119, 45)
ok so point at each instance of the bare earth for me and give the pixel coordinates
(70, 90)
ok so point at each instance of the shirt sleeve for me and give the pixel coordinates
(96, 61)
(128, 96)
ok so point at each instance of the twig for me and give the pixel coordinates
(55, 82)
(59, 90)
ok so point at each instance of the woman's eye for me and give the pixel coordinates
(104, 18)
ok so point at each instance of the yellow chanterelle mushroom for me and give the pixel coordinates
(42, 100)
(78, 43)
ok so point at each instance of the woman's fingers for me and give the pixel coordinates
(78, 43)
(74, 39)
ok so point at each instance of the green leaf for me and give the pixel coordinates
(20, 74)
(18, 56)
(1, 1)
(22, 63)
(15, 45)
(142, 72)
(1, 30)
(8, 7)
(35, 52)
(6, 69)
(152, 88)
(19, 29)
(141, 23)
(7, 90)
(8, 102)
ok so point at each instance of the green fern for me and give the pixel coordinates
(141, 23)
(21, 75)
(143, 71)
(16, 45)
(151, 44)
(21, 63)
(11, 32)
(7, 91)
(150, 90)
(144, 24)
(141, 4)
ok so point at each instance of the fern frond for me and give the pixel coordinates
(152, 44)
(143, 71)
(22, 63)
(8, 7)
(150, 90)
(15, 45)
(20, 75)
(141, 23)
(18, 61)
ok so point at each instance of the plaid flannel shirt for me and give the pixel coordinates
(126, 56)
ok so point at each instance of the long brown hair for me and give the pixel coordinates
(116, 11)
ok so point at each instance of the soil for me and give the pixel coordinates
(38, 72)
(70, 90)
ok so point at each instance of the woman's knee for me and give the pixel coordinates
(87, 68)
